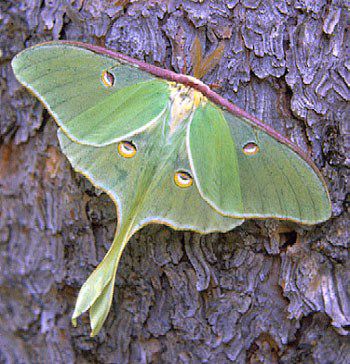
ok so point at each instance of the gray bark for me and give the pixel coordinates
(267, 291)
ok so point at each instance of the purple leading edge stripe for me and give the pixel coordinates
(203, 88)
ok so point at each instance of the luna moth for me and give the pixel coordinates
(167, 149)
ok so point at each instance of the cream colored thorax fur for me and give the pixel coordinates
(184, 101)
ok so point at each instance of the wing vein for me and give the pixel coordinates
(305, 184)
(291, 186)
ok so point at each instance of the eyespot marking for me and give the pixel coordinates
(251, 149)
(183, 179)
(107, 78)
(126, 149)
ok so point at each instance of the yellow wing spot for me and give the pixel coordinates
(107, 78)
(251, 149)
(126, 149)
(183, 179)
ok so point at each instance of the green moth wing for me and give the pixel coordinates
(166, 149)
(143, 186)
(214, 159)
(145, 192)
(94, 98)
(247, 173)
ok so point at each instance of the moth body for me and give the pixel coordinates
(184, 101)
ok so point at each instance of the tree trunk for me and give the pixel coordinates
(267, 291)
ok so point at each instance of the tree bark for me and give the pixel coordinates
(268, 291)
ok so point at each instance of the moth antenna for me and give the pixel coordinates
(196, 56)
(101, 41)
(184, 67)
(212, 60)
(121, 3)
(215, 85)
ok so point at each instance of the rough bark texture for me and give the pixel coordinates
(266, 292)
